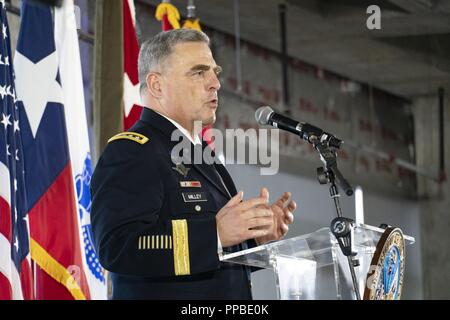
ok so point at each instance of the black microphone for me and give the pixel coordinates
(266, 116)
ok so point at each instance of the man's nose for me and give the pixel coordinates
(214, 83)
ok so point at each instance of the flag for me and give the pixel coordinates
(15, 267)
(67, 48)
(54, 234)
(131, 94)
(169, 15)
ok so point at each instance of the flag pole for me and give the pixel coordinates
(34, 279)
(108, 95)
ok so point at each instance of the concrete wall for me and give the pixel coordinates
(434, 198)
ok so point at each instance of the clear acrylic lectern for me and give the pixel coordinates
(312, 266)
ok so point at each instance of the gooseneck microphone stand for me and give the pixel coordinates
(342, 228)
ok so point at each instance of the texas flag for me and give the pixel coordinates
(49, 171)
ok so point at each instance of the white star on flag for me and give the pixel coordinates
(3, 90)
(5, 121)
(12, 94)
(131, 94)
(4, 63)
(36, 94)
(16, 243)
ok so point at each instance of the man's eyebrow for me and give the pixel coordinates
(199, 67)
(204, 67)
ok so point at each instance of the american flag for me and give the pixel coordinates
(15, 269)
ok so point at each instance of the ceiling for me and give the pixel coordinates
(409, 56)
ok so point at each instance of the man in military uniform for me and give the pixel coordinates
(160, 226)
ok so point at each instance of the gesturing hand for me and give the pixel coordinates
(239, 221)
(282, 216)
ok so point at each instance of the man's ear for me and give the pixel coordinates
(153, 81)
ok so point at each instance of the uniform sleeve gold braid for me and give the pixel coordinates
(181, 247)
(157, 241)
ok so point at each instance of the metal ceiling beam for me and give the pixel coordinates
(416, 6)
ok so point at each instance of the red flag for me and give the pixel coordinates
(132, 106)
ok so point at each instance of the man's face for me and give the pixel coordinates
(190, 84)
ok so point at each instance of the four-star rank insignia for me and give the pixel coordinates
(133, 136)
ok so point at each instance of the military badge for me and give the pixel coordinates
(194, 196)
(385, 276)
(181, 169)
(190, 184)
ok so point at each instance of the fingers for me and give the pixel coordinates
(264, 193)
(288, 215)
(256, 233)
(260, 222)
(259, 212)
(292, 206)
(284, 229)
(289, 218)
(282, 200)
(235, 200)
(250, 203)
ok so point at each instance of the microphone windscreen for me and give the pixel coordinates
(262, 115)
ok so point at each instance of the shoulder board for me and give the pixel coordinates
(134, 136)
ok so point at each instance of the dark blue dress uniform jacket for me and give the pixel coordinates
(154, 229)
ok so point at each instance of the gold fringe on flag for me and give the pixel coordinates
(53, 268)
(192, 24)
(173, 15)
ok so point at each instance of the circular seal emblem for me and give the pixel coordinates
(385, 276)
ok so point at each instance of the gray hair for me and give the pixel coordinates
(155, 50)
